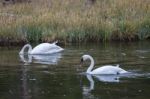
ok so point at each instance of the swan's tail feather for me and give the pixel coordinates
(55, 42)
(117, 65)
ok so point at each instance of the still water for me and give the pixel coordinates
(59, 76)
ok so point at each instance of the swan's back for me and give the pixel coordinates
(46, 48)
(108, 69)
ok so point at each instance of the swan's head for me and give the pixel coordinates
(90, 58)
(85, 57)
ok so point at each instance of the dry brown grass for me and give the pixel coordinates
(74, 21)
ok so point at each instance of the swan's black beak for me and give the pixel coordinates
(81, 61)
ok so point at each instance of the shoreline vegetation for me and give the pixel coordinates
(76, 21)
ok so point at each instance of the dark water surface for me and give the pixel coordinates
(59, 76)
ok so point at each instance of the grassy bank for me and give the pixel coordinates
(75, 21)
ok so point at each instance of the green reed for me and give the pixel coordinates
(76, 21)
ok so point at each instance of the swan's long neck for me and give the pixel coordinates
(26, 46)
(91, 65)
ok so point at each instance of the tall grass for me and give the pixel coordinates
(76, 21)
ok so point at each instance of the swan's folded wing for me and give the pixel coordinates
(107, 69)
(46, 48)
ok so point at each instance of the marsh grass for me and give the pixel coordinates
(143, 29)
(76, 21)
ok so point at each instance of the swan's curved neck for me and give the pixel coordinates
(91, 65)
(26, 46)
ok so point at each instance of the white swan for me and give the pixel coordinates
(107, 69)
(43, 48)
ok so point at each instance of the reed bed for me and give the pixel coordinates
(75, 21)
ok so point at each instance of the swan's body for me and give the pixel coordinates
(43, 48)
(107, 69)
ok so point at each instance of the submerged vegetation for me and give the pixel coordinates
(75, 21)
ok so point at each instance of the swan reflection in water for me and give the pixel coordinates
(103, 78)
(42, 59)
(87, 90)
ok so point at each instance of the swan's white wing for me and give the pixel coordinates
(46, 48)
(41, 48)
(108, 69)
(54, 49)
